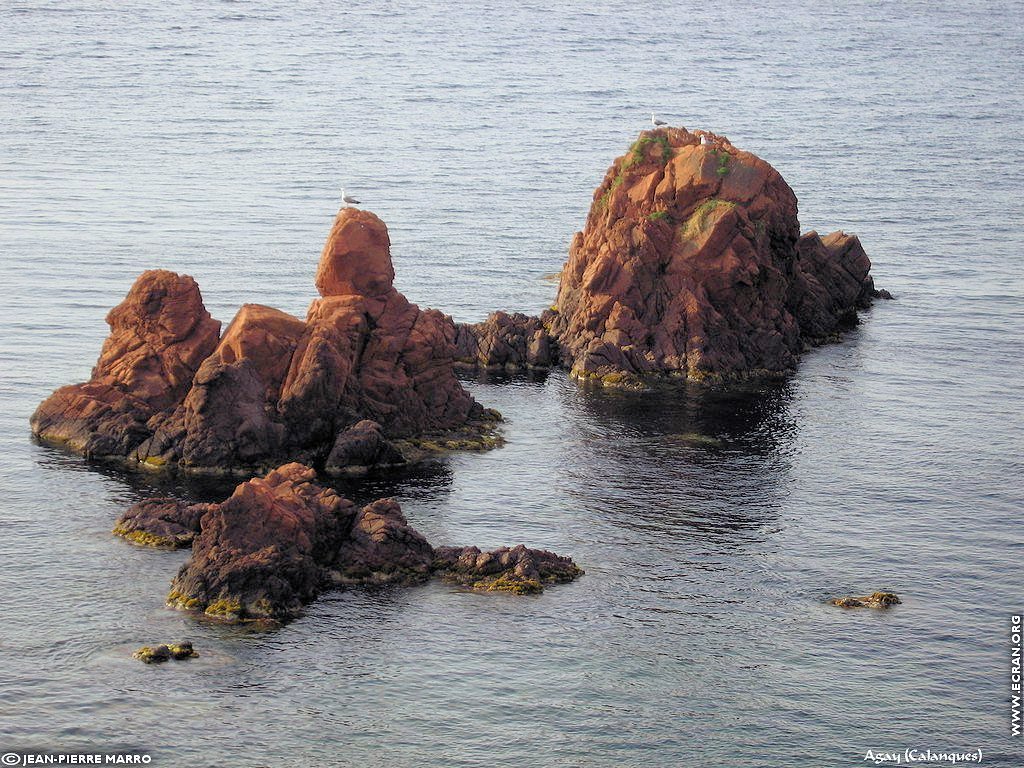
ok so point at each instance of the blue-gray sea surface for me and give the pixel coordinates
(212, 138)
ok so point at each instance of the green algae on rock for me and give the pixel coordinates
(156, 654)
(163, 523)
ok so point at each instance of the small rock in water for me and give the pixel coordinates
(518, 570)
(155, 654)
(874, 600)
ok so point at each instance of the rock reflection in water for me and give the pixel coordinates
(707, 460)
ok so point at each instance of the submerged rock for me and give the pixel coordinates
(155, 654)
(518, 570)
(161, 522)
(279, 540)
(365, 368)
(691, 264)
(874, 600)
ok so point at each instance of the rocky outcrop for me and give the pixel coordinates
(874, 600)
(518, 570)
(359, 447)
(365, 369)
(279, 540)
(161, 522)
(691, 264)
(382, 547)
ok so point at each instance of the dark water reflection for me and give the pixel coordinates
(726, 446)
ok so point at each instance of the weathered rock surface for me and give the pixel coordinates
(518, 570)
(874, 600)
(691, 264)
(161, 522)
(364, 369)
(360, 446)
(279, 540)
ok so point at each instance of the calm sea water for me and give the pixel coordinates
(212, 138)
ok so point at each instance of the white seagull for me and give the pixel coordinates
(348, 199)
(704, 140)
(656, 122)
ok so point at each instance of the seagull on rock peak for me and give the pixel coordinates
(704, 140)
(656, 122)
(348, 199)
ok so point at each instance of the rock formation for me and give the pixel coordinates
(271, 547)
(159, 336)
(691, 264)
(366, 374)
(262, 553)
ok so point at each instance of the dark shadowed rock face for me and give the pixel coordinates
(168, 391)
(161, 522)
(691, 263)
(518, 570)
(279, 540)
(360, 446)
(382, 548)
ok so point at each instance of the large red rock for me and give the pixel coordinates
(356, 260)
(159, 336)
(168, 391)
(691, 264)
(279, 540)
(371, 354)
(228, 420)
(262, 554)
